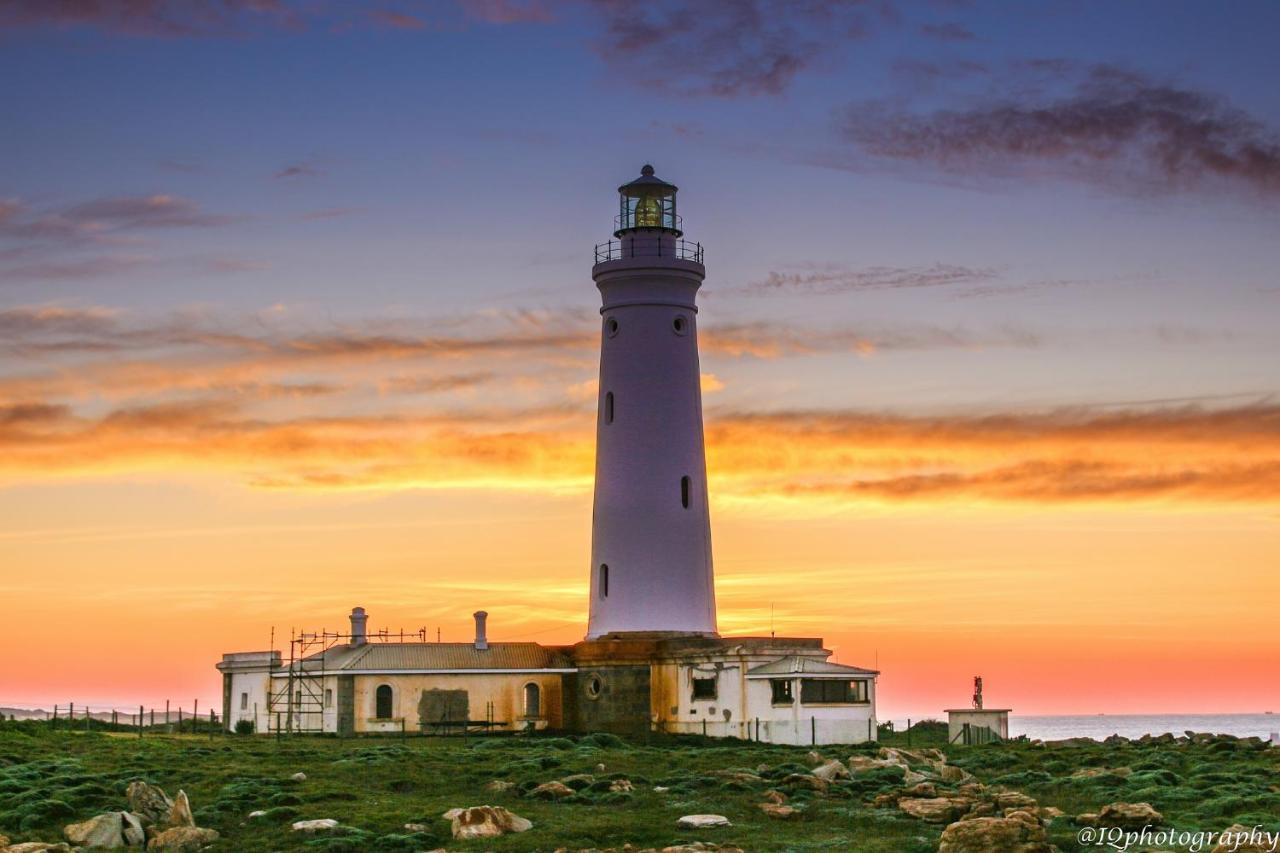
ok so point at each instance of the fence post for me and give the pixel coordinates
(53, 721)
(195, 715)
(88, 718)
(179, 719)
(166, 713)
(71, 716)
(139, 721)
(908, 731)
(813, 731)
(277, 725)
(212, 723)
(704, 726)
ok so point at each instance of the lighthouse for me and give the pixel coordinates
(651, 528)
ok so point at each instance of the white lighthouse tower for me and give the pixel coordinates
(651, 530)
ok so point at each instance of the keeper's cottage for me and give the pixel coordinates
(652, 659)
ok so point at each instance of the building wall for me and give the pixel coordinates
(611, 699)
(248, 698)
(801, 724)
(996, 720)
(504, 690)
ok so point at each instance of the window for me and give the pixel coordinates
(684, 491)
(608, 407)
(297, 697)
(328, 698)
(781, 692)
(704, 688)
(244, 701)
(680, 325)
(611, 327)
(604, 580)
(595, 686)
(382, 702)
(815, 691)
(532, 700)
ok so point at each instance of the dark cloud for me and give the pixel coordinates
(950, 31)
(838, 279)
(508, 11)
(71, 270)
(1115, 128)
(299, 170)
(169, 18)
(397, 20)
(725, 47)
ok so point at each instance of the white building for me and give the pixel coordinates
(652, 659)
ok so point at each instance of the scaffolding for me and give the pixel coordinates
(303, 699)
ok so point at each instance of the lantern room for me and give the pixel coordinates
(647, 202)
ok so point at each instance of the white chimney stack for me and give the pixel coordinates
(482, 642)
(358, 620)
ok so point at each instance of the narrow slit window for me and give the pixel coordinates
(608, 407)
(604, 580)
(684, 492)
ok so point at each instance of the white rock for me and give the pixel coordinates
(131, 827)
(319, 825)
(830, 771)
(702, 821)
(105, 830)
(660, 789)
(299, 777)
(258, 813)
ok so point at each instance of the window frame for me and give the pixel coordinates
(783, 691)
(391, 702)
(834, 691)
(694, 682)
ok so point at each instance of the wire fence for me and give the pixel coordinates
(142, 721)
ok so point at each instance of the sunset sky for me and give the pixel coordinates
(296, 314)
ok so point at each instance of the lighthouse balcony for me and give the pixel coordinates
(642, 246)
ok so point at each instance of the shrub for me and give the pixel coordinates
(244, 727)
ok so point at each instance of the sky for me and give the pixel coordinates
(296, 314)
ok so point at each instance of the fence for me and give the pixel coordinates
(139, 721)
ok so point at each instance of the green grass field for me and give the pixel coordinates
(375, 786)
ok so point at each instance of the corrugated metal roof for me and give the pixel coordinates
(392, 657)
(792, 664)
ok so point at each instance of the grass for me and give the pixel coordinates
(375, 786)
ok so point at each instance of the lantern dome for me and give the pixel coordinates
(647, 202)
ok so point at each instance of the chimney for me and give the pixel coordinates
(482, 642)
(358, 619)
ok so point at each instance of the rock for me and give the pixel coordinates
(299, 777)
(180, 814)
(4, 841)
(1050, 812)
(1086, 819)
(863, 763)
(134, 833)
(923, 789)
(1008, 800)
(702, 821)
(934, 809)
(37, 847)
(805, 780)
(183, 838)
(258, 813)
(1092, 772)
(620, 785)
(1239, 838)
(660, 789)
(1023, 815)
(775, 797)
(737, 776)
(105, 830)
(951, 773)
(983, 834)
(1129, 816)
(485, 822)
(911, 777)
(550, 791)
(498, 786)
(416, 827)
(323, 824)
(831, 771)
(149, 802)
(813, 759)
(776, 811)
(599, 768)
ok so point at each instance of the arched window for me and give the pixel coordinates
(532, 700)
(608, 407)
(382, 702)
(685, 483)
(604, 580)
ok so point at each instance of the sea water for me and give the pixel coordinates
(1099, 726)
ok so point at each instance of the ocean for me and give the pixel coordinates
(1099, 726)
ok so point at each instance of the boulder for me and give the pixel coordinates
(4, 841)
(1086, 819)
(299, 776)
(180, 814)
(620, 785)
(702, 821)
(149, 802)
(323, 824)
(775, 797)
(660, 789)
(830, 771)
(416, 827)
(485, 822)
(1239, 838)
(923, 789)
(953, 774)
(805, 780)
(1092, 772)
(183, 838)
(600, 768)
(104, 830)
(1010, 800)
(1129, 816)
(934, 809)
(38, 847)
(550, 791)
(776, 811)
(1047, 813)
(258, 813)
(498, 786)
(983, 834)
(132, 830)
(863, 763)
(813, 758)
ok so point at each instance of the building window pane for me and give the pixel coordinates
(382, 702)
(685, 483)
(244, 701)
(781, 692)
(818, 691)
(608, 407)
(328, 698)
(604, 580)
(532, 700)
(704, 688)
